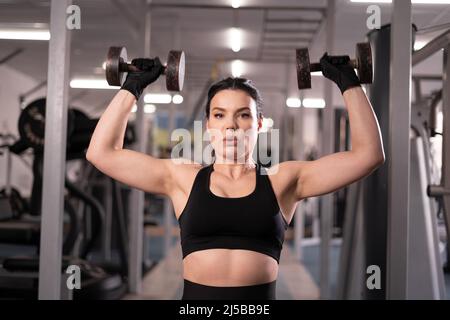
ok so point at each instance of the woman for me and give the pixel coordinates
(233, 213)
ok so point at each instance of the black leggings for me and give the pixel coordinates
(196, 291)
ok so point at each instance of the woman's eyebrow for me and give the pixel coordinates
(223, 109)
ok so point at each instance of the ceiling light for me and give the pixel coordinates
(235, 39)
(293, 102)
(177, 99)
(314, 103)
(22, 34)
(157, 98)
(237, 67)
(91, 84)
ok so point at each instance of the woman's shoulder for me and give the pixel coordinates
(183, 172)
(283, 168)
(284, 173)
(179, 167)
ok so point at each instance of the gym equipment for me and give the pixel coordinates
(117, 68)
(96, 282)
(362, 63)
(31, 126)
(367, 239)
(14, 202)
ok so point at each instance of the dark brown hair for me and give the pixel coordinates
(230, 83)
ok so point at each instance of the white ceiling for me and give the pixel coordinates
(202, 34)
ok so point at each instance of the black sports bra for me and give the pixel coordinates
(252, 222)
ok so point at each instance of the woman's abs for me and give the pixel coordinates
(229, 267)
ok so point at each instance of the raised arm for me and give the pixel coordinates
(106, 151)
(337, 170)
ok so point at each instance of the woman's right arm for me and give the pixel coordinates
(133, 168)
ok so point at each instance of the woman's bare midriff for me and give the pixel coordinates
(229, 267)
(222, 267)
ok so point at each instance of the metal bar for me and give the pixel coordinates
(285, 31)
(8, 172)
(299, 20)
(283, 47)
(347, 254)
(445, 173)
(399, 149)
(425, 274)
(107, 230)
(327, 138)
(54, 154)
(136, 204)
(292, 39)
(431, 47)
(11, 55)
(427, 77)
(222, 7)
(433, 28)
(298, 147)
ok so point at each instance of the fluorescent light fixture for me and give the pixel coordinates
(163, 98)
(412, 1)
(314, 103)
(237, 68)
(235, 39)
(235, 3)
(177, 99)
(148, 108)
(91, 84)
(24, 34)
(293, 102)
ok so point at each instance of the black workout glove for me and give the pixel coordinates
(137, 81)
(342, 74)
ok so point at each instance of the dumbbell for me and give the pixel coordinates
(117, 67)
(362, 63)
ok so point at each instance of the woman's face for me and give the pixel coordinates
(233, 126)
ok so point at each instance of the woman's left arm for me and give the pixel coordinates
(334, 171)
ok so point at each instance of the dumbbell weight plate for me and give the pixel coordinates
(31, 124)
(303, 71)
(175, 71)
(364, 61)
(116, 56)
